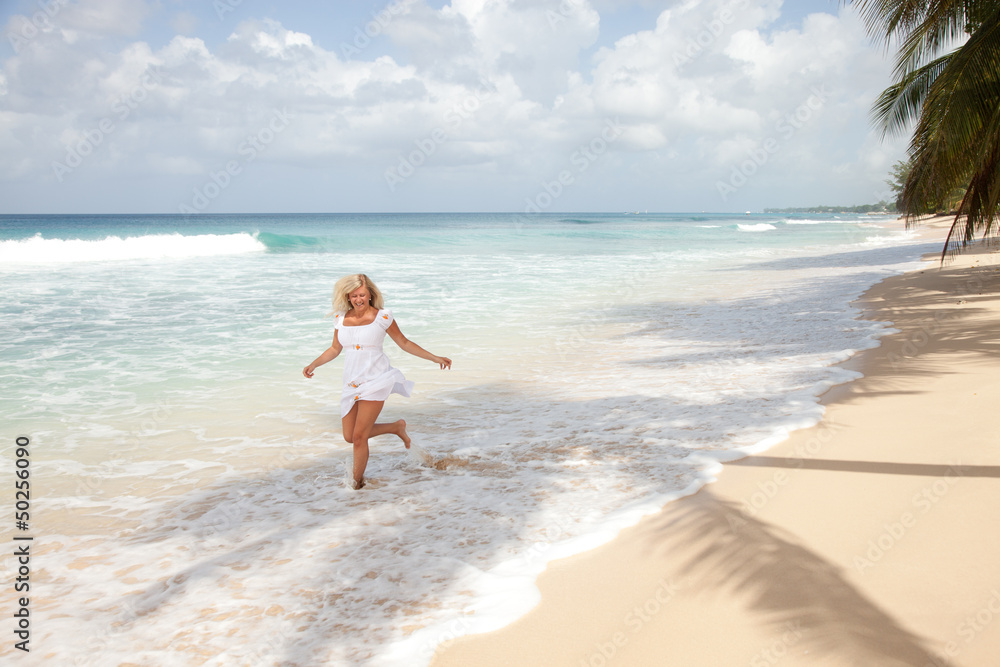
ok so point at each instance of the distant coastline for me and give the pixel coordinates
(881, 207)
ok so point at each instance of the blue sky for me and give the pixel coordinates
(172, 106)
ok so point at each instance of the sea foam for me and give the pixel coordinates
(759, 227)
(195, 500)
(38, 250)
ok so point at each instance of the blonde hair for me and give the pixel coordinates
(347, 284)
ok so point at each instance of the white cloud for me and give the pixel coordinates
(497, 88)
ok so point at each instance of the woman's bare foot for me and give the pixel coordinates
(401, 432)
(359, 484)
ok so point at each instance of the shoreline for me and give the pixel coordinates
(865, 539)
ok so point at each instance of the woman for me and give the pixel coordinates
(361, 325)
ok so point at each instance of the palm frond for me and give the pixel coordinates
(953, 101)
(900, 104)
(888, 19)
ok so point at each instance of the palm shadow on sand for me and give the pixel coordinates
(787, 585)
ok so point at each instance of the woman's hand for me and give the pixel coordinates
(443, 362)
(328, 356)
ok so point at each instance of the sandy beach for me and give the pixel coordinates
(868, 539)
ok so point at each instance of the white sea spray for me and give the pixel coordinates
(194, 505)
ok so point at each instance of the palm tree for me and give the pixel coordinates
(900, 174)
(946, 83)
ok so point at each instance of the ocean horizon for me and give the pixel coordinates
(191, 499)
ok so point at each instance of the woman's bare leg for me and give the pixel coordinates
(362, 420)
(396, 428)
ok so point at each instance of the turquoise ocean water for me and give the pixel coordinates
(189, 500)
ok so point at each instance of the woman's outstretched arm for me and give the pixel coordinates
(407, 345)
(329, 355)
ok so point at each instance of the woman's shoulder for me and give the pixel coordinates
(384, 318)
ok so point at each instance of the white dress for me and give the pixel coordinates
(368, 376)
